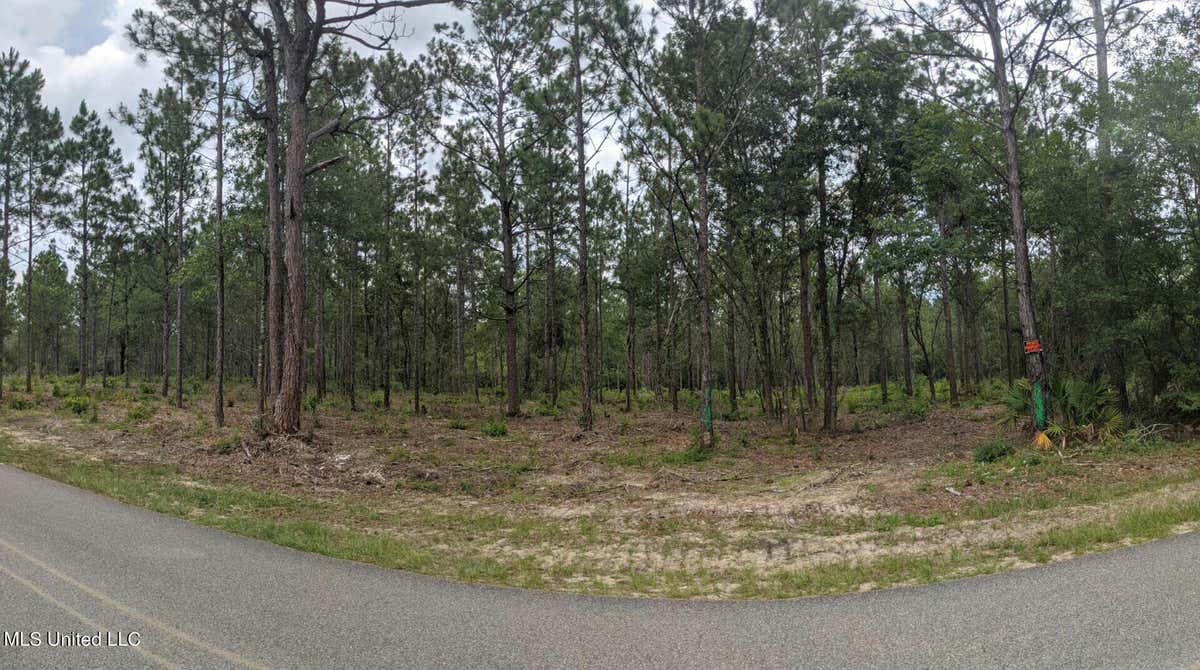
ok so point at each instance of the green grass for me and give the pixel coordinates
(994, 450)
(289, 521)
(689, 456)
(350, 529)
(629, 458)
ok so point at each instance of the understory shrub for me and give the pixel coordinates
(994, 450)
(1076, 410)
(78, 404)
(19, 403)
(495, 429)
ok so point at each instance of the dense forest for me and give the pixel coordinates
(750, 206)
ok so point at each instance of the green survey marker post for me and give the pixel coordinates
(1039, 406)
(1039, 395)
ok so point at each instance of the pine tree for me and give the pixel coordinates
(97, 181)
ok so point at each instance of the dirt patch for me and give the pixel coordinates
(634, 495)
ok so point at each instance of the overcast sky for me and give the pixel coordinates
(80, 47)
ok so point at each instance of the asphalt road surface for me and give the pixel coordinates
(76, 563)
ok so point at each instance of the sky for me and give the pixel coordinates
(80, 47)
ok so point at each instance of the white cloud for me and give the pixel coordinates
(105, 74)
(35, 21)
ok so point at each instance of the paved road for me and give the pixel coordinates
(73, 561)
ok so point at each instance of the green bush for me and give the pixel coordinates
(311, 402)
(229, 442)
(261, 427)
(1180, 406)
(697, 453)
(1076, 409)
(458, 424)
(78, 404)
(139, 413)
(994, 450)
(19, 403)
(495, 429)
(546, 409)
(686, 457)
(624, 424)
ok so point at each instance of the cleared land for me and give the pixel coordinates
(634, 508)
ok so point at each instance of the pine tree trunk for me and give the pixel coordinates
(1008, 363)
(4, 269)
(418, 341)
(351, 351)
(947, 308)
(460, 318)
(582, 223)
(322, 354)
(29, 291)
(964, 384)
(630, 331)
(1035, 364)
(179, 286)
(219, 399)
(1116, 354)
(264, 363)
(902, 303)
(166, 310)
(390, 203)
(125, 331)
(527, 370)
(704, 278)
(829, 417)
(83, 293)
(880, 345)
(287, 404)
(112, 285)
(766, 362)
(509, 268)
(731, 359)
(673, 372)
(550, 335)
(275, 302)
(808, 348)
(599, 331)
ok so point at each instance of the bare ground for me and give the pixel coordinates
(630, 497)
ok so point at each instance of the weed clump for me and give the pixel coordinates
(994, 450)
(227, 443)
(699, 451)
(139, 413)
(495, 429)
(19, 403)
(78, 404)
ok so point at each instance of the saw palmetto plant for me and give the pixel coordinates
(1079, 411)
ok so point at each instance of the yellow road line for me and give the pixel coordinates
(84, 619)
(121, 607)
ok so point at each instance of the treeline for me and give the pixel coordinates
(807, 195)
